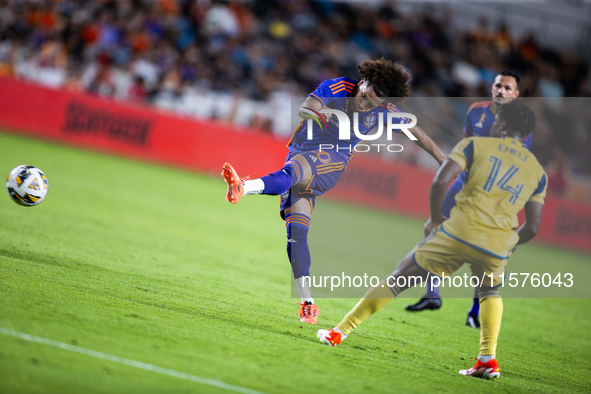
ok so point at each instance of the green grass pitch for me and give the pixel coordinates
(151, 264)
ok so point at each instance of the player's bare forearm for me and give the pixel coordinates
(436, 196)
(427, 144)
(448, 171)
(309, 103)
(533, 218)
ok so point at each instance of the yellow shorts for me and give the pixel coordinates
(439, 253)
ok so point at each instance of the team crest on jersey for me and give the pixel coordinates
(370, 120)
(479, 123)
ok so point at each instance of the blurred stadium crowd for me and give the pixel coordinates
(242, 61)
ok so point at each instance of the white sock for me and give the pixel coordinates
(485, 359)
(336, 328)
(254, 186)
(304, 289)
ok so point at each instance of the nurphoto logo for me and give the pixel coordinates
(341, 120)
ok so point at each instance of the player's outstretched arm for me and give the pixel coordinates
(448, 171)
(309, 104)
(533, 218)
(427, 144)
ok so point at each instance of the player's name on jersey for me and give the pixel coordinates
(513, 151)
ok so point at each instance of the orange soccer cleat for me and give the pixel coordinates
(488, 370)
(308, 313)
(330, 337)
(235, 184)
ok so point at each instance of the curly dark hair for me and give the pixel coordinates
(518, 117)
(388, 79)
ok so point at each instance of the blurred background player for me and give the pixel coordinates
(311, 171)
(503, 178)
(479, 120)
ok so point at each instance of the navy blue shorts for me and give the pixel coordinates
(327, 167)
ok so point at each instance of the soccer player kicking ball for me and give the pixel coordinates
(479, 120)
(309, 172)
(502, 178)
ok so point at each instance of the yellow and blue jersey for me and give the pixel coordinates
(334, 93)
(502, 176)
(479, 121)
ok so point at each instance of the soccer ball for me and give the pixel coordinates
(27, 185)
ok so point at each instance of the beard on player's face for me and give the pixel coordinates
(504, 90)
(502, 100)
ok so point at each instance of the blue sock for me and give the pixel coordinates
(297, 244)
(432, 291)
(475, 309)
(278, 182)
